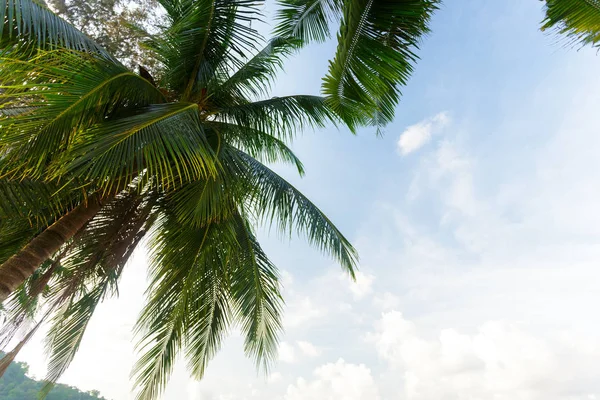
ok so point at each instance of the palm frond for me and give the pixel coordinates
(92, 267)
(255, 291)
(67, 330)
(256, 143)
(66, 92)
(14, 235)
(307, 20)
(185, 305)
(255, 76)
(206, 201)
(108, 240)
(36, 201)
(579, 20)
(374, 57)
(281, 117)
(31, 21)
(203, 39)
(277, 202)
(166, 141)
(10, 356)
(209, 315)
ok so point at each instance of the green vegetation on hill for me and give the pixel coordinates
(16, 385)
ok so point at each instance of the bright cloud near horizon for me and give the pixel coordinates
(476, 220)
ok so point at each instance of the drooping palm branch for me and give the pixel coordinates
(376, 51)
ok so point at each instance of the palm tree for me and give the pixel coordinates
(579, 20)
(95, 158)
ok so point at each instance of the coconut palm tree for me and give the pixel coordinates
(95, 158)
(579, 20)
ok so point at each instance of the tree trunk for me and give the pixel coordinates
(22, 265)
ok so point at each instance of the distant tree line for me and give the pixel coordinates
(16, 385)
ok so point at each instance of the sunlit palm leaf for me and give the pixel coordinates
(165, 140)
(579, 20)
(204, 38)
(67, 92)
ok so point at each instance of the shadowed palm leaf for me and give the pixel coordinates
(375, 55)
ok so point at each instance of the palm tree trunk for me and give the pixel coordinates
(22, 265)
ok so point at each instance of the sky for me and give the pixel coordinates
(476, 221)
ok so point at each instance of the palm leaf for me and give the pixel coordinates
(579, 20)
(185, 303)
(256, 293)
(66, 92)
(281, 117)
(256, 143)
(204, 38)
(32, 21)
(255, 76)
(67, 330)
(10, 356)
(166, 141)
(206, 201)
(91, 269)
(277, 202)
(374, 57)
(13, 236)
(307, 20)
(35, 201)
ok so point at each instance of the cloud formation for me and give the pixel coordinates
(499, 360)
(308, 349)
(336, 381)
(418, 135)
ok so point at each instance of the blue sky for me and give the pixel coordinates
(476, 220)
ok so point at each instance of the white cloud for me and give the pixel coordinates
(336, 381)
(274, 377)
(362, 286)
(416, 136)
(499, 361)
(308, 348)
(287, 353)
(301, 311)
(386, 301)
(287, 279)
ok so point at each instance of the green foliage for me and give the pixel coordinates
(375, 55)
(39, 24)
(16, 385)
(578, 20)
